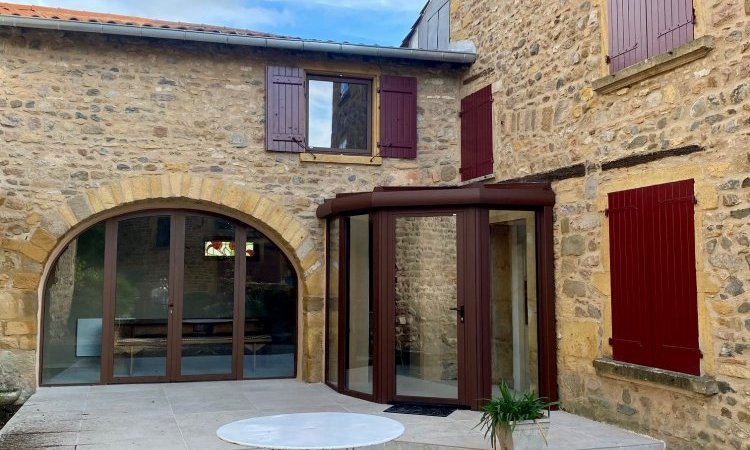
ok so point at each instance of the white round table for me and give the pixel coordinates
(321, 430)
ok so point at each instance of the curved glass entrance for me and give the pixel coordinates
(169, 296)
(437, 295)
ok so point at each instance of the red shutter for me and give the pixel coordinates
(670, 24)
(285, 109)
(628, 273)
(398, 117)
(476, 134)
(675, 288)
(627, 33)
(654, 293)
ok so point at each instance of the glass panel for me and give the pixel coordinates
(425, 292)
(359, 311)
(338, 114)
(270, 311)
(208, 296)
(513, 300)
(332, 303)
(142, 297)
(73, 312)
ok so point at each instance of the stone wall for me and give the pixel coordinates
(540, 58)
(91, 126)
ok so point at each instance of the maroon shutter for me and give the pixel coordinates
(670, 24)
(285, 109)
(628, 277)
(675, 289)
(476, 134)
(398, 117)
(654, 293)
(627, 33)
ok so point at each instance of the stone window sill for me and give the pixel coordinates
(609, 368)
(680, 56)
(341, 159)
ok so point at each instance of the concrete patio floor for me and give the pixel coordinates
(185, 416)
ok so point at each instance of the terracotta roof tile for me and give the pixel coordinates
(43, 12)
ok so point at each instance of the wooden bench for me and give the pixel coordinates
(133, 346)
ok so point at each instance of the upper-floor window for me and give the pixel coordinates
(339, 112)
(336, 113)
(640, 29)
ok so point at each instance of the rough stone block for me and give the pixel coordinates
(10, 307)
(25, 280)
(24, 327)
(573, 245)
(579, 338)
(44, 239)
(141, 188)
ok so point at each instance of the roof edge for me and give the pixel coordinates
(461, 58)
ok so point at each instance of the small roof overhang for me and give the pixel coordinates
(233, 38)
(510, 195)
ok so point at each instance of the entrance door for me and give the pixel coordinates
(142, 298)
(175, 301)
(429, 315)
(207, 299)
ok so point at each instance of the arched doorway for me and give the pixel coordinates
(169, 295)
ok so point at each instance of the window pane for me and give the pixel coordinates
(332, 302)
(208, 296)
(73, 312)
(359, 311)
(426, 303)
(338, 114)
(142, 296)
(270, 310)
(513, 304)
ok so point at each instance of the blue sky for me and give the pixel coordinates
(382, 22)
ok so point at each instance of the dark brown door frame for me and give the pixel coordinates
(388, 304)
(474, 258)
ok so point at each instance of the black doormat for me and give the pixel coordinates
(422, 410)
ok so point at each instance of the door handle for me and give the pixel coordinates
(460, 311)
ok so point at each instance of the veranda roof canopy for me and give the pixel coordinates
(504, 194)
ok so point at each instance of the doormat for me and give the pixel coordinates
(422, 410)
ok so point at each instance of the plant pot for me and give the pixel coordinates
(525, 435)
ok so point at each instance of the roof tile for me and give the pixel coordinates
(43, 12)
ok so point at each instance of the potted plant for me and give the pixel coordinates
(516, 422)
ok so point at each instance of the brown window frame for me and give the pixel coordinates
(368, 82)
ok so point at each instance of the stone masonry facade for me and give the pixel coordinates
(95, 126)
(541, 57)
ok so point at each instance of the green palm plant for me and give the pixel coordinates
(501, 414)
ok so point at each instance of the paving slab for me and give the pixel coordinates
(185, 416)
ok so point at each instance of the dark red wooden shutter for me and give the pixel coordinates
(627, 33)
(654, 292)
(627, 244)
(670, 25)
(285, 109)
(476, 134)
(398, 117)
(675, 307)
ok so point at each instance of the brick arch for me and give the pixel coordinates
(60, 226)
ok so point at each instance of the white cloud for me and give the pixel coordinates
(232, 13)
